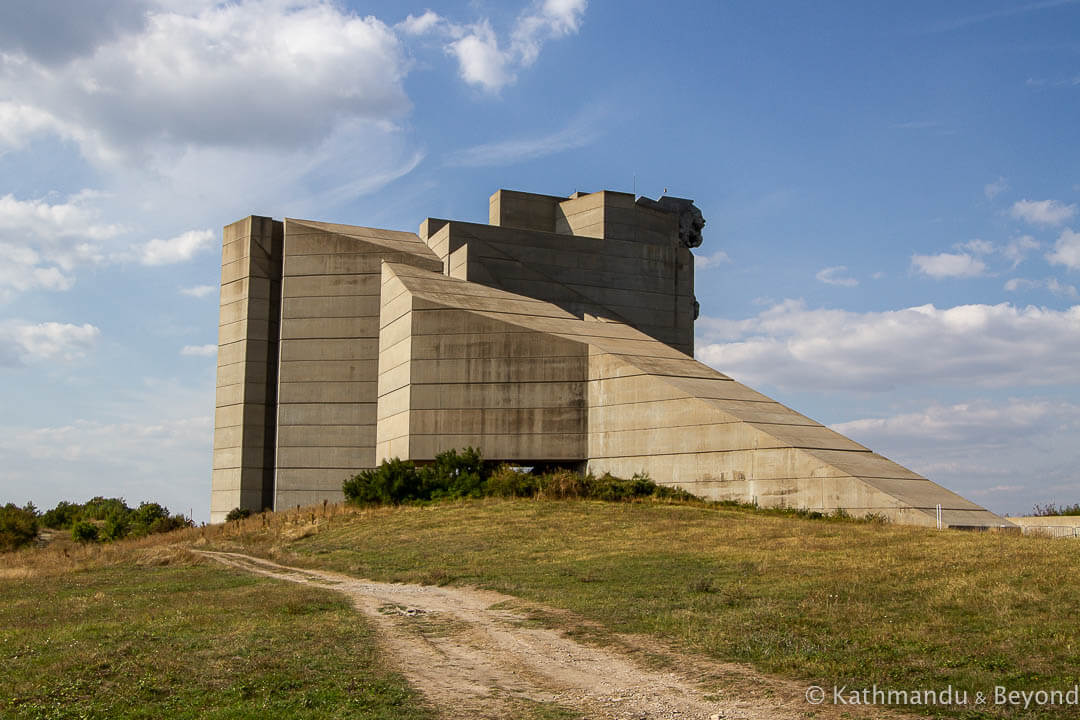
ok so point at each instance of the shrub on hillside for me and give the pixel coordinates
(61, 517)
(464, 474)
(112, 519)
(237, 514)
(18, 526)
(84, 531)
(506, 481)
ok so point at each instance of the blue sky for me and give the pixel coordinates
(892, 193)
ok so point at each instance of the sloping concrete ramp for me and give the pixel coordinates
(644, 407)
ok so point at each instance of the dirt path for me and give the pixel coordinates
(473, 656)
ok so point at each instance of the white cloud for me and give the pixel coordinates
(708, 262)
(484, 61)
(1018, 248)
(481, 60)
(419, 25)
(42, 242)
(199, 291)
(76, 217)
(945, 265)
(992, 190)
(791, 346)
(1042, 212)
(26, 343)
(1066, 250)
(980, 421)
(836, 275)
(199, 350)
(553, 19)
(178, 249)
(257, 73)
(21, 269)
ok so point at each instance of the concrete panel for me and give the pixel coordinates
(330, 286)
(326, 457)
(306, 414)
(354, 327)
(322, 349)
(348, 306)
(309, 370)
(326, 392)
(326, 436)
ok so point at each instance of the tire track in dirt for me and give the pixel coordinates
(472, 658)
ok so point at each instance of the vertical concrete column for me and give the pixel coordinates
(246, 401)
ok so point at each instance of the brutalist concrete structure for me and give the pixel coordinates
(560, 332)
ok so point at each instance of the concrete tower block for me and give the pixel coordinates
(243, 466)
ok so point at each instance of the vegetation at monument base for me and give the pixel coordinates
(102, 630)
(455, 475)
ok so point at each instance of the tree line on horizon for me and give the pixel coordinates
(99, 519)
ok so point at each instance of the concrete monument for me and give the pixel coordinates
(560, 332)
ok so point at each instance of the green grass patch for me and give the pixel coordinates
(824, 602)
(188, 641)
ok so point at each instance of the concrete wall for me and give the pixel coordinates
(244, 420)
(330, 353)
(648, 285)
(450, 378)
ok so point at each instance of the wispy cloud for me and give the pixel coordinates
(199, 291)
(1052, 284)
(199, 350)
(708, 262)
(583, 131)
(26, 343)
(946, 265)
(977, 18)
(178, 249)
(1042, 212)
(836, 275)
(992, 190)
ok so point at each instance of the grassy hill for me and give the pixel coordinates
(828, 602)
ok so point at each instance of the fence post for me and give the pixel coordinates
(939, 516)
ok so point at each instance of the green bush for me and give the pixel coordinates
(237, 514)
(505, 481)
(18, 526)
(453, 475)
(464, 474)
(84, 531)
(63, 516)
(393, 482)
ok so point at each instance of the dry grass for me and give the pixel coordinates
(823, 602)
(147, 629)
